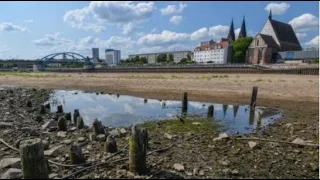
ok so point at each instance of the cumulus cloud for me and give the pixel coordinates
(4, 49)
(301, 35)
(127, 28)
(176, 19)
(214, 32)
(28, 21)
(305, 22)
(99, 13)
(277, 8)
(236, 32)
(51, 40)
(173, 9)
(11, 27)
(313, 42)
(166, 37)
(154, 30)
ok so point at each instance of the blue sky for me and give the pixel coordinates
(35, 29)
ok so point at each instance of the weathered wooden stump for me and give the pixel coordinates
(29, 103)
(42, 110)
(76, 156)
(62, 124)
(34, 164)
(47, 106)
(138, 143)
(76, 114)
(38, 118)
(210, 111)
(110, 145)
(80, 123)
(59, 109)
(254, 96)
(97, 127)
(185, 102)
(68, 116)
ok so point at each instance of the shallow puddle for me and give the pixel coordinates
(122, 110)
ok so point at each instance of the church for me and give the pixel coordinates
(275, 37)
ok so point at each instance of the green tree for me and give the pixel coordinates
(170, 58)
(189, 57)
(143, 60)
(162, 58)
(239, 48)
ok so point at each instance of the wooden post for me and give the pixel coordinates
(59, 109)
(110, 145)
(29, 104)
(210, 111)
(62, 124)
(34, 164)
(75, 153)
(76, 114)
(42, 110)
(80, 123)
(97, 127)
(251, 115)
(185, 102)
(145, 101)
(254, 96)
(67, 116)
(138, 150)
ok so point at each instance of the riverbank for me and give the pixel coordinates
(194, 154)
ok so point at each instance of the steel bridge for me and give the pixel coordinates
(67, 57)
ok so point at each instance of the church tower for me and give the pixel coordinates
(231, 36)
(243, 32)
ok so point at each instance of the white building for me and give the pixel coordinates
(112, 56)
(214, 52)
(152, 57)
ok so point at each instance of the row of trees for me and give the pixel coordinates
(239, 48)
(161, 59)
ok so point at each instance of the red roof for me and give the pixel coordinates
(222, 44)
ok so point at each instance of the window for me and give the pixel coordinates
(289, 55)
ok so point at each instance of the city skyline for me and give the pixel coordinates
(139, 27)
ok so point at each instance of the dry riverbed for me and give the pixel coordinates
(192, 148)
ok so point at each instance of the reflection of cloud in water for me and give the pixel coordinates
(127, 110)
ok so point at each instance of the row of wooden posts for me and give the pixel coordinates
(35, 165)
(211, 108)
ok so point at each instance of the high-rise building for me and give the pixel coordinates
(95, 53)
(112, 56)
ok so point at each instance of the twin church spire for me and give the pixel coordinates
(242, 33)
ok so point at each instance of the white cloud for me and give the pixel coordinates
(4, 49)
(166, 37)
(173, 9)
(313, 42)
(139, 34)
(127, 28)
(305, 22)
(277, 8)
(80, 19)
(29, 21)
(99, 13)
(11, 27)
(301, 35)
(176, 19)
(51, 40)
(214, 32)
(154, 30)
(236, 32)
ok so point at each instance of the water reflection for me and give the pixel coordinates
(114, 110)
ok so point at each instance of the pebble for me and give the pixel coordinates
(168, 136)
(89, 147)
(67, 141)
(101, 138)
(62, 134)
(235, 172)
(178, 167)
(53, 175)
(81, 139)
(221, 136)
(188, 173)
(12, 173)
(201, 173)
(196, 123)
(314, 167)
(252, 144)
(10, 162)
(195, 171)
